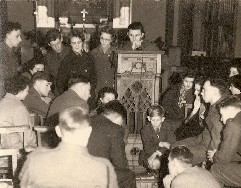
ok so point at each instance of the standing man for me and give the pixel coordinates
(70, 164)
(9, 62)
(57, 53)
(136, 35)
(227, 160)
(183, 175)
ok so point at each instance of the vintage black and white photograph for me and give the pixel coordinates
(120, 93)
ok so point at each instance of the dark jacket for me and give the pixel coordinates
(193, 127)
(106, 140)
(145, 46)
(230, 147)
(34, 103)
(170, 102)
(105, 70)
(8, 65)
(214, 126)
(74, 65)
(53, 60)
(8, 61)
(67, 99)
(151, 139)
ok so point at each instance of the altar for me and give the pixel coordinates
(67, 13)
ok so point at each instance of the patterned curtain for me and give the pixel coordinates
(169, 22)
(219, 26)
(185, 32)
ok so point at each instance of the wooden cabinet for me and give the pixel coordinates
(137, 83)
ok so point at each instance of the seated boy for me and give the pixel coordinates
(156, 138)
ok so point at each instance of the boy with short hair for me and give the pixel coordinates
(136, 35)
(156, 137)
(38, 98)
(183, 175)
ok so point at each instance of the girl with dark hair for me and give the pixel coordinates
(193, 124)
(235, 85)
(77, 63)
(176, 98)
(235, 69)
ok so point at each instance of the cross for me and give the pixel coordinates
(84, 13)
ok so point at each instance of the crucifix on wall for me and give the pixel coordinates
(69, 11)
(84, 12)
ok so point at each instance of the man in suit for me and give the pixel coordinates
(227, 160)
(70, 164)
(106, 141)
(183, 174)
(77, 95)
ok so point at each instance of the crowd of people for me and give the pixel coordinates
(72, 92)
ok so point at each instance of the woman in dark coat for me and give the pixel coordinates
(178, 96)
(102, 55)
(78, 62)
(193, 125)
